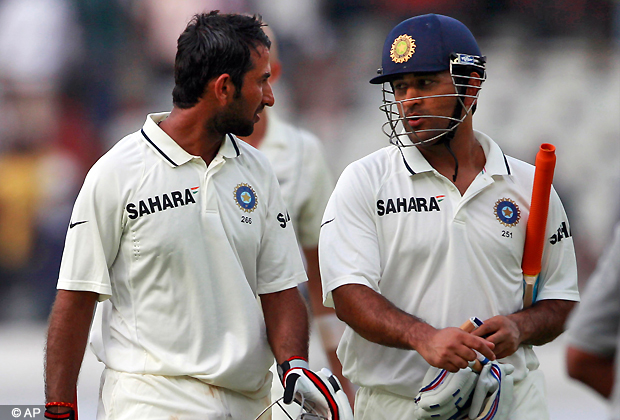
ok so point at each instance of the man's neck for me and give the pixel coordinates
(468, 152)
(189, 130)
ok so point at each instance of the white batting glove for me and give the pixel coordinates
(445, 395)
(493, 395)
(318, 391)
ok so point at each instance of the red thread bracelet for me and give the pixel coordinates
(59, 404)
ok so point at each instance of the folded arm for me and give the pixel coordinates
(376, 319)
(537, 325)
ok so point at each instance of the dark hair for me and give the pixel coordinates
(211, 45)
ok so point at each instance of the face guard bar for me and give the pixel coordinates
(395, 127)
(306, 413)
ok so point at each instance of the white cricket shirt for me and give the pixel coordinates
(298, 159)
(181, 250)
(436, 254)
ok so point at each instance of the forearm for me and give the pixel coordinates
(66, 341)
(595, 371)
(286, 319)
(542, 322)
(377, 319)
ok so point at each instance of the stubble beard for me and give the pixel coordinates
(229, 121)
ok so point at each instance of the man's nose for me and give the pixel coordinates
(268, 98)
(412, 97)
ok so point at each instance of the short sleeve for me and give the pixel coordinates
(594, 325)
(93, 237)
(280, 266)
(348, 246)
(558, 277)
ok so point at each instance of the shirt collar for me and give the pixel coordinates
(230, 148)
(496, 162)
(170, 151)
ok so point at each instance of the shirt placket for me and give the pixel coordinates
(209, 193)
(481, 182)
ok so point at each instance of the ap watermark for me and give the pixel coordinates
(9, 412)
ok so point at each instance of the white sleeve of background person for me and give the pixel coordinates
(298, 159)
(594, 325)
(91, 246)
(318, 185)
(348, 245)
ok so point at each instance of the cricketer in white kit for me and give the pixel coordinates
(428, 232)
(176, 231)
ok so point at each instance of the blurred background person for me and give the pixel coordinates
(306, 183)
(594, 330)
(40, 154)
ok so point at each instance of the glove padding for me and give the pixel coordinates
(445, 395)
(493, 395)
(320, 392)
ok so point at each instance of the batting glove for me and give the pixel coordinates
(319, 391)
(493, 395)
(445, 395)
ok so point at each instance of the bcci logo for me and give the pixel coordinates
(402, 49)
(245, 197)
(507, 212)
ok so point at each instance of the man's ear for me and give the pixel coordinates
(474, 87)
(223, 88)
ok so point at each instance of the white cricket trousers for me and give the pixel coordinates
(530, 402)
(131, 396)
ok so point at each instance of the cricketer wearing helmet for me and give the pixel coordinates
(428, 232)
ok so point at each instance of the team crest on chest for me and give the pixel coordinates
(245, 197)
(507, 212)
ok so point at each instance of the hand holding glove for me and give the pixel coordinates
(320, 391)
(445, 395)
(493, 395)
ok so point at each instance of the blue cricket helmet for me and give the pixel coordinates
(425, 43)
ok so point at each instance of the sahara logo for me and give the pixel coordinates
(417, 204)
(160, 203)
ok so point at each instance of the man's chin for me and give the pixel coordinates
(244, 130)
(420, 140)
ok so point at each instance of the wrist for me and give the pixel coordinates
(520, 321)
(59, 410)
(419, 334)
(295, 362)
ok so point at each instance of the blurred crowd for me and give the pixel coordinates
(77, 75)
